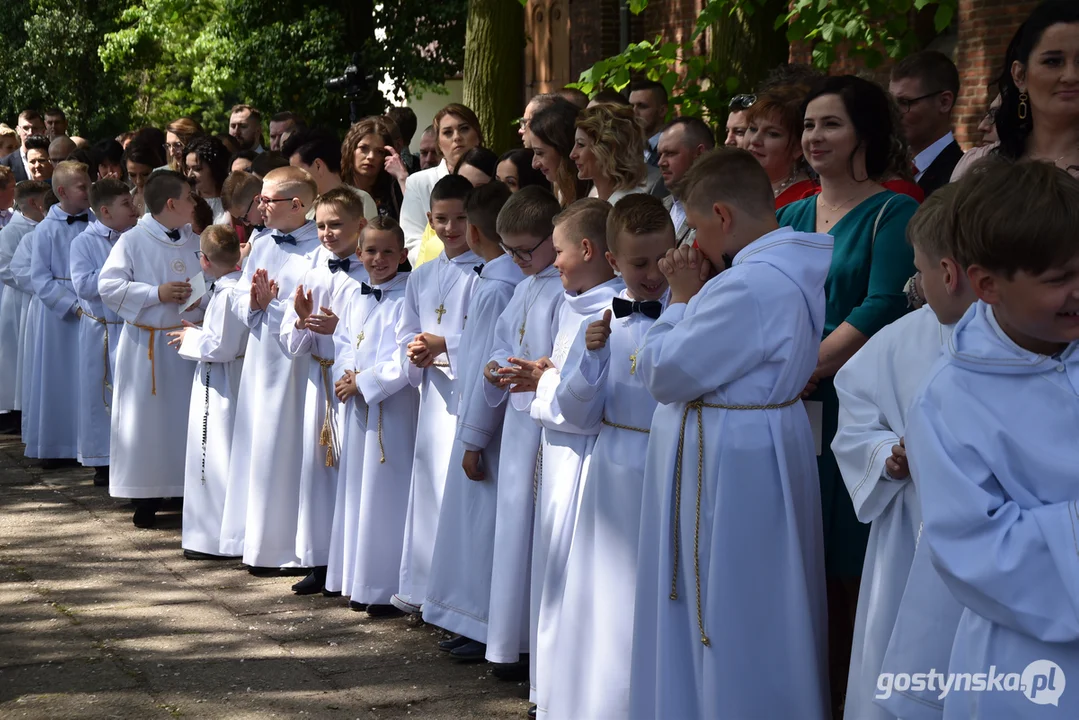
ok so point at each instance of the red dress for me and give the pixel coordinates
(797, 191)
(810, 188)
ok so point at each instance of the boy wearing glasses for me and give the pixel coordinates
(264, 471)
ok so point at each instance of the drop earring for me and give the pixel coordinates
(1023, 109)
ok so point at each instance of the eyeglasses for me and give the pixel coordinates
(175, 147)
(905, 105)
(742, 102)
(200, 254)
(264, 200)
(524, 255)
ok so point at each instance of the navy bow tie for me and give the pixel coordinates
(72, 219)
(479, 268)
(648, 308)
(281, 239)
(174, 235)
(339, 264)
(366, 289)
(258, 228)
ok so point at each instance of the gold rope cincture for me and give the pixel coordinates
(106, 386)
(608, 423)
(328, 436)
(381, 449)
(698, 406)
(150, 353)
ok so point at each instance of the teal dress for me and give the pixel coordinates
(865, 289)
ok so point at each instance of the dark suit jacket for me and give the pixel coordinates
(939, 172)
(14, 161)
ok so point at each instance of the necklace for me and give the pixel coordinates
(777, 190)
(530, 300)
(441, 309)
(834, 208)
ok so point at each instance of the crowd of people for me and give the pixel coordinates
(783, 429)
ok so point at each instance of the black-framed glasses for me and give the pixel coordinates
(200, 254)
(524, 255)
(264, 200)
(905, 105)
(742, 102)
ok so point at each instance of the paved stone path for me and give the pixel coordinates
(99, 619)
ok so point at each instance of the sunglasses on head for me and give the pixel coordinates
(742, 102)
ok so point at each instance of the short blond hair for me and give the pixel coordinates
(932, 228)
(617, 142)
(220, 244)
(586, 218)
(728, 175)
(67, 171)
(638, 214)
(344, 199)
(294, 180)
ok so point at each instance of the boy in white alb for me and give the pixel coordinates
(429, 335)
(146, 281)
(30, 201)
(593, 642)
(263, 493)
(307, 333)
(876, 387)
(218, 347)
(459, 590)
(525, 330)
(730, 571)
(54, 393)
(379, 430)
(590, 284)
(100, 327)
(991, 445)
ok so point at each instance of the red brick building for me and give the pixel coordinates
(568, 36)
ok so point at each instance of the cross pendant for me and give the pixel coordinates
(359, 338)
(521, 333)
(633, 364)
(440, 311)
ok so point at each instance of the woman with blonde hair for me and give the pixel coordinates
(178, 135)
(9, 140)
(608, 149)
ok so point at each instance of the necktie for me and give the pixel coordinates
(337, 264)
(282, 239)
(366, 289)
(648, 308)
(479, 268)
(174, 235)
(72, 219)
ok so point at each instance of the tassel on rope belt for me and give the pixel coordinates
(328, 436)
(106, 386)
(381, 449)
(150, 354)
(698, 406)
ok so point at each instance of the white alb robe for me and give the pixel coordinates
(525, 329)
(875, 388)
(55, 390)
(443, 284)
(218, 347)
(322, 422)
(744, 547)
(459, 589)
(13, 306)
(99, 336)
(263, 491)
(565, 452)
(20, 273)
(991, 445)
(152, 384)
(593, 643)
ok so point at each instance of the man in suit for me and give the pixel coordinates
(30, 123)
(649, 101)
(925, 85)
(683, 141)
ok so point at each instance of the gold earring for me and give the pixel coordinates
(1024, 110)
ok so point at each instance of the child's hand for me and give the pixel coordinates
(263, 290)
(174, 292)
(686, 270)
(436, 344)
(472, 465)
(323, 324)
(595, 337)
(304, 306)
(419, 353)
(490, 373)
(245, 250)
(178, 335)
(896, 465)
(346, 387)
(524, 375)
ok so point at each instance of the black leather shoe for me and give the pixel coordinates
(356, 607)
(146, 512)
(331, 593)
(471, 651)
(296, 571)
(383, 611)
(57, 463)
(453, 643)
(532, 712)
(259, 571)
(196, 555)
(512, 672)
(313, 583)
(101, 476)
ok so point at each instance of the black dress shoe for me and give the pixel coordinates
(296, 571)
(331, 593)
(512, 672)
(313, 583)
(356, 606)
(453, 643)
(146, 512)
(383, 611)
(57, 463)
(196, 555)
(101, 476)
(260, 571)
(532, 711)
(471, 651)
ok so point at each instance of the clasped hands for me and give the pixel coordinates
(519, 376)
(424, 348)
(263, 290)
(322, 324)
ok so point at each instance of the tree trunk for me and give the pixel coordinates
(746, 47)
(493, 76)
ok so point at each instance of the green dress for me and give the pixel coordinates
(865, 289)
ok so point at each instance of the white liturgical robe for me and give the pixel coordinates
(13, 306)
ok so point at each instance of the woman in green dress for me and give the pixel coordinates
(848, 140)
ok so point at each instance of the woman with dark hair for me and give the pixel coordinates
(178, 135)
(479, 166)
(139, 161)
(108, 158)
(516, 170)
(848, 138)
(207, 164)
(552, 131)
(242, 161)
(363, 164)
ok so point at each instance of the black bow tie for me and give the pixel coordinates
(174, 235)
(648, 308)
(366, 289)
(479, 268)
(258, 228)
(339, 264)
(281, 239)
(212, 286)
(72, 219)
